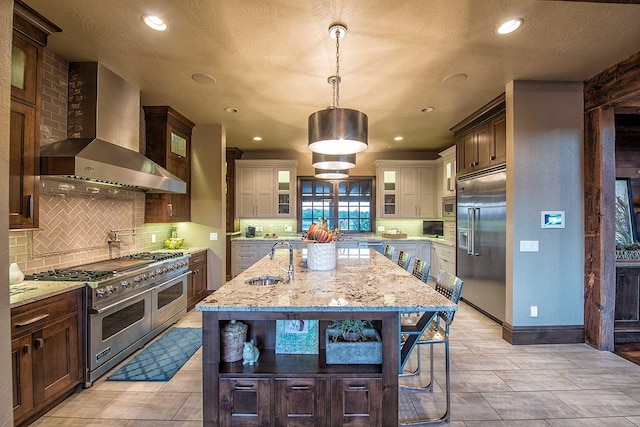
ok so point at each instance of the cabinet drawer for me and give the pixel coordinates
(245, 402)
(245, 248)
(446, 252)
(32, 316)
(197, 257)
(300, 401)
(356, 401)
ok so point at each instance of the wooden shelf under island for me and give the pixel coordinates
(280, 388)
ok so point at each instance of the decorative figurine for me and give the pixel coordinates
(250, 353)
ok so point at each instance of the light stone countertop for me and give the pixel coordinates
(31, 291)
(363, 280)
(351, 238)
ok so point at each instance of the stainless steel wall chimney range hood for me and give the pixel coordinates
(103, 109)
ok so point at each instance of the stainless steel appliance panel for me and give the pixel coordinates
(168, 300)
(481, 257)
(116, 326)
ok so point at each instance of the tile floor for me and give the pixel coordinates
(493, 384)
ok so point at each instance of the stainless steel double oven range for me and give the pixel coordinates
(130, 300)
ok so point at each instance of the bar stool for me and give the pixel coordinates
(421, 270)
(404, 260)
(388, 251)
(430, 328)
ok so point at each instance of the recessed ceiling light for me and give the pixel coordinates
(510, 26)
(154, 22)
(204, 79)
(231, 110)
(398, 138)
(257, 138)
(454, 79)
(427, 109)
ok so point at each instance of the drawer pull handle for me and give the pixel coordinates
(357, 387)
(30, 321)
(300, 387)
(39, 342)
(243, 386)
(26, 349)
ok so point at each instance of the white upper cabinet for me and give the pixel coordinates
(265, 188)
(449, 171)
(406, 188)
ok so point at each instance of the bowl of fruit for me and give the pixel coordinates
(174, 243)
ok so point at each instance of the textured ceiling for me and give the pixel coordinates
(271, 58)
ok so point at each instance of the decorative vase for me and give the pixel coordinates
(15, 274)
(232, 338)
(321, 256)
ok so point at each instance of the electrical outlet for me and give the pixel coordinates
(287, 228)
(528, 246)
(381, 228)
(153, 238)
(213, 236)
(534, 311)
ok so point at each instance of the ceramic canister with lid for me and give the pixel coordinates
(233, 335)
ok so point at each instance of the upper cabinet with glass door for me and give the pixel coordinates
(449, 171)
(265, 188)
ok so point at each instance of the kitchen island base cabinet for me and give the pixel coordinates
(46, 354)
(297, 389)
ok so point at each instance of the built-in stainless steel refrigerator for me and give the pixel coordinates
(481, 216)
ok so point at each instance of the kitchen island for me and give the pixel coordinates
(282, 387)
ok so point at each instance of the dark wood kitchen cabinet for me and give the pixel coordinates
(627, 306)
(46, 353)
(197, 280)
(300, 402)
(356, 401)
(30, 32)
(481, 138)
(168, 143)
(245, 402)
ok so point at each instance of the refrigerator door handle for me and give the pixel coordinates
(469, 231)
(473, 231)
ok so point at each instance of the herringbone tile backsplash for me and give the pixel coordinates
(75, 220)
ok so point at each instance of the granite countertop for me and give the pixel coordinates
(347, 239)
(32, 291)
(363, 280)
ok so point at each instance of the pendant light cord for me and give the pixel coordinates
(336, 80)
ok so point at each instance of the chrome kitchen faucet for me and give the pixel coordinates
(273, 249)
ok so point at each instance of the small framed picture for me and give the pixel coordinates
(552, 219)
(296, 336)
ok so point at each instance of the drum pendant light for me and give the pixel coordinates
(331, 174)
(338, 130)
(333, 161)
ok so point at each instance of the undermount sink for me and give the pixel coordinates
(264, 280)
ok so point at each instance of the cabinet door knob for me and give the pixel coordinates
(169, 209)
(39, 342)
(26, 349)
(493, 157)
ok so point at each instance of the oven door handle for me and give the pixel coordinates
(115, 304)
(172, 280)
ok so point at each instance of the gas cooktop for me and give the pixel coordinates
(103, 270)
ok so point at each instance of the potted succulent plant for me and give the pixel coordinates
(353, 342)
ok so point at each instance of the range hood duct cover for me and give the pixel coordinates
(103, 109)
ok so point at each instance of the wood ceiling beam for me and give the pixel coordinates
(615, 86)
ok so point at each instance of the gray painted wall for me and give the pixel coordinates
(6, 383)
(544, 173)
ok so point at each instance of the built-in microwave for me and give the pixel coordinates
(449, 207)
